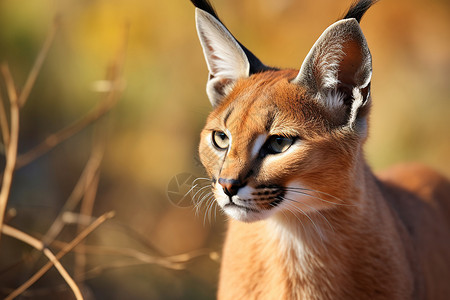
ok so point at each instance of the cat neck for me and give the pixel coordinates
(328, 251)
(346, 252)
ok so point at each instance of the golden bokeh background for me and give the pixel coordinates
(154, 129)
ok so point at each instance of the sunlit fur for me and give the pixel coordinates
(340, 233)
(314, 222)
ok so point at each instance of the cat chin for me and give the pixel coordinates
(246, 215)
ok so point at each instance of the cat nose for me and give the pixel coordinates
(230, 186)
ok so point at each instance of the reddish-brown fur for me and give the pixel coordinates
(388, 240)
(284, 150)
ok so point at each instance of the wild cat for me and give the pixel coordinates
(284, 150)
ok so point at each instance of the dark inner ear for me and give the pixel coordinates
(351, 63)
(350, 70)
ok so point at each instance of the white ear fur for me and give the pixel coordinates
(224, 56)
(339, 67)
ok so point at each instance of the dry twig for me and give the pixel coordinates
(176, 262)
(60, 254)
(114, 77)
(4, 124)
(86, 177)
(22, 236)
(11, 152)
(88, 181)
(16, 102)
(55, 139)
(87, 206)
(31, 79)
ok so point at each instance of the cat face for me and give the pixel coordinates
(283, 141)
(269, 147)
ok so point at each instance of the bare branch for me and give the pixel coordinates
(97, 270)
(55, 139)
(4, 124)
(114, 76)
(14, 139)
(22, 236)
(10, 85)
(176, 262)
(87, 206)
(25, 93)
(86, 177)
(60, 254)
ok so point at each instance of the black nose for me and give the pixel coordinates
(230, 186)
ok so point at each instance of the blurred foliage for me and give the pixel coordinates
(154, 129)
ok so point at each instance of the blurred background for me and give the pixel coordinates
(149, 139)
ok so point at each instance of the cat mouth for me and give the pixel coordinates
(246, 213)
(234, 205)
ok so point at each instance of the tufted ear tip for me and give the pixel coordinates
(338, 69)
(342, 47)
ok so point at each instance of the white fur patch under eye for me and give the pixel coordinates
(259, 142)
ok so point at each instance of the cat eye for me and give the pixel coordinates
(220, 140)
(278, 144)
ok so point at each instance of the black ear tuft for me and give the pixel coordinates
(256, 65)
(206, 6)
(358, 9)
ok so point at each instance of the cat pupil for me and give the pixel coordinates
(220, 140)
(278, 144)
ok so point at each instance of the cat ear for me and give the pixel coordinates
(224, 56)
(338, 71)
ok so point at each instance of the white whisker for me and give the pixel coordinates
(301, 191)
(209, 203)
(206, 197)
(313, 208)
(295, 215)
(201, 178)
(193, 197)
(298, 209)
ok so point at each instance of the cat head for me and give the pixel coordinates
(283, 140)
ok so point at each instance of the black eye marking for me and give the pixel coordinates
(225, 119)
